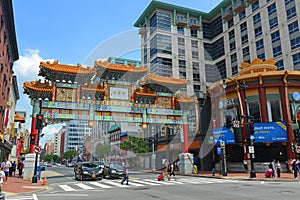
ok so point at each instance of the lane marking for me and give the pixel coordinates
(100, 185)
(83, 186)
(66, 188)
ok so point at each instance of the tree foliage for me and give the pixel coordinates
(135, 144)
(102, 150)
(48, 158)
(56, 158)
(70, 154)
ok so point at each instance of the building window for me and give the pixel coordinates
(160, 44)
(261, 56)
(273, 22)
(277, 51)
(293, 27)
(243, 27)
(233, 58)
(231, 34)
(296, 59)
(275, 110)
(275, 36)
(242, 15)
(235, 70)
(181, 53)
(295, 43)
(279, 65)
(286, 2)
(232, 46)
(246, 52)
(194, 33)
(194, 43)
(181, 41)
(196, 77)
(195, 55)
(196, 67)
(254, 111)
(160, 21)
(259, 44)
(255, 6)
(256, 18)
(258, 31)
(290, 13)
(180, 30)
(244, 39)
(230, 23)
(271, 9)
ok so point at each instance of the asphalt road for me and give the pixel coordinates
(143, 186)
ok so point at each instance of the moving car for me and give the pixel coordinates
(70, 164)
(87, 170)
(100, 163)
(113, 170)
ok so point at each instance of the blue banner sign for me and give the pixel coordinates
(223, 134)
(263, 132)
(270, 132)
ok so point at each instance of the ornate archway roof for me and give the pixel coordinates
(56, 71)
(36, 89)
(163, 84)
(257, 65)
(144, 91)
(116, 71)
(89, 87)
(184, 99)
(18, 118)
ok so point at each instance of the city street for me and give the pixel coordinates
(145, 186)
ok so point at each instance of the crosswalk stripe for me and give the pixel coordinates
(66, 188)
(100, 185)
(161, 182)
(143, 182)
(83, 186)
(118, 184)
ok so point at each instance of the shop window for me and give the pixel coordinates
(275, 110)
(254, 111)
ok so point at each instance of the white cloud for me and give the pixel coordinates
(49, 132)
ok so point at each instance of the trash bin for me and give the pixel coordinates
(38, 172)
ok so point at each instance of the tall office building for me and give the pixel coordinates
(74, 132)
(207, 47)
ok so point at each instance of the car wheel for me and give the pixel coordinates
(81, 177)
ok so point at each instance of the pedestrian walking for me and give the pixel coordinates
(5, 166)
(245, 163)
(172, 171)
(272, 166)
(126, 175)
(2, 177)
(20, 168)
(295, 168)
(165, 170)
(278, 168)
(14, 167)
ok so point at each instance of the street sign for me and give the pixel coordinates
(37, 149)
(251, 149)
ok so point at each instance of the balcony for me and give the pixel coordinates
(181, 21)
(240, 6)
(251, 1)
(194, 24)
(143, 31)
(228, 14)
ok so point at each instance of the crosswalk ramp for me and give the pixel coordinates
(135, 182)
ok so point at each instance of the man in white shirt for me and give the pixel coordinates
(2, 176)
(5, 166)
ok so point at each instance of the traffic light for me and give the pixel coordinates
(228, 122)
(251, 128)
(296, 135)
(39, 124)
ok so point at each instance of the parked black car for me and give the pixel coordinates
(113, 170)
(87, 170)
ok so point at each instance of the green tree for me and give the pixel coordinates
(135, 144)
(102, 150)
(70, 154)
(56, 158)
(48, 158)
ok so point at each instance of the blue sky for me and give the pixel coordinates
(76, 31)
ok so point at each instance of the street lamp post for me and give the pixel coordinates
(250, 139)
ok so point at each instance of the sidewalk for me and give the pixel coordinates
(18, 186)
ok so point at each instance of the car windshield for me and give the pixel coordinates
(99, 163)
(89, 165)
(116, 166)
